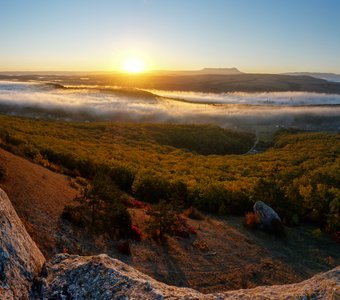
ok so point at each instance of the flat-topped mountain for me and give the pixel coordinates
(204, 71)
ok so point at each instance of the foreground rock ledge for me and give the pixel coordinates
(23, 275)
(20, 259)
(102, 277)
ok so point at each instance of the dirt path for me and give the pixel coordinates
(251, 150)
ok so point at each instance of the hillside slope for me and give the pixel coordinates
(101, 277)
(38, 195)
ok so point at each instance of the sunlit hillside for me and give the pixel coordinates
(299, 175)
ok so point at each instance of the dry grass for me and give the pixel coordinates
(39, 196)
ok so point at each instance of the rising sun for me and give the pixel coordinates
(133, 65)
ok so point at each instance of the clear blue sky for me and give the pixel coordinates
(252, 35)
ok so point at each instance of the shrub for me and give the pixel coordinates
(179, 193)
(277, 228)
(251, 220)
(4, 135)
(212, 198)
(162, 219)
(116, 220)
(336, 236)
(74, 215)
(193, 213)
(132, 202)
(201, 245)
(29, 150)
(124, 247)
(3, 173)
(151, 188)
(136, 233)
(181, 227)
(123, 177)
(104, 187)
(100, 208)
(239, 202)
(316, 232)
(192, 230)
(333, 217)
(10, 139)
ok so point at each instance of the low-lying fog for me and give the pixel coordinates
(269, 98)
(245, 110)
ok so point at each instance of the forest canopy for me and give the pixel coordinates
(299, 176)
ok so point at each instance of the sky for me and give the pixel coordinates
(263, 36)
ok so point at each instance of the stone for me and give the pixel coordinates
(265, 213)
(102, 277)
(20, 258)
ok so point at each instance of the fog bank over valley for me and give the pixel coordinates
(305, 110)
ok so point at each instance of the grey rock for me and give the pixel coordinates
(20, 258)
(265, 213)
(102, 277)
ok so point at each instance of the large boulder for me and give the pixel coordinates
(265, 213)
(20, 259)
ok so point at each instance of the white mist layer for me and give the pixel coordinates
(265, 98)
(228, 110)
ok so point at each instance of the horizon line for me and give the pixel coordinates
(37, 72)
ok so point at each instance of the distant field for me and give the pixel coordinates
(300, 174)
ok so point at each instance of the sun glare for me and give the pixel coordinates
(134, 65)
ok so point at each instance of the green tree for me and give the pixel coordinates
(162, 219)
(89, 200)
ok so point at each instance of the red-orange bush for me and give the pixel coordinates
(138, 204)
(136, 233)
(251, 220)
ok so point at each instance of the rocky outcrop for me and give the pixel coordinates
(101, 277)
(20, 259)
(265, 213)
